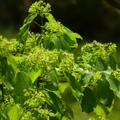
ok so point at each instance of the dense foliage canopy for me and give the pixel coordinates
(37, 68)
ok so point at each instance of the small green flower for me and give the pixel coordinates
(40, 8)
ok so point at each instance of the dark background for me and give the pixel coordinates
(92, 19)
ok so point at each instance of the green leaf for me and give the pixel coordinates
(72, 42)
(59, 106)
(3, 65)
(54, 78)
(102, 110)
(100, 64)
(30, 18)
(21, 82)
(14, 112)
(69, 112)
(72, 81)
(86, 78)
(38, 40)
(63, 87)
(88, 101)
(18, 59)
(7, 82)
(71, 34)
(75, 87)
(114, 85)
(60, 43)
(112, 62)
(22, 35)
(3, 116)
(103, 93)
(12, 62)
(33, 75)
(50, 17)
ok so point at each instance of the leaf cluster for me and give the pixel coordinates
(37, 68)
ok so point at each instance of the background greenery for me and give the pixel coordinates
(96, 19)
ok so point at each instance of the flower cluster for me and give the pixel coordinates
(12, 46)
(67, 63)
(55, 27)
(34, 106)
(42, 59)
(31, 42)
(40, 8)
(116, 74)
(96, 48)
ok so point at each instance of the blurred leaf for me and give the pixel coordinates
(3, 65)
(75, 87)
(69, 112)
(7, 82)
(72, 43)
(12, 62)
(88, 101)
(33, 75)
(18, 59)
(100, 64)
(54, 78)
(38, 40)
(60, 43)
(71, 34)
(103, 93)
(114, 85)
(14, 112)
(22, 35)
(86, 78)
(30, 18)
(112, 62)
(62, 87)
(21, 82)
(3, 116)
(102, 110)
(57, 103)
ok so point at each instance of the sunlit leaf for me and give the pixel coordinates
(14, 112)
(71, 34)
(102, 110)
(54, 78)
(33, 75)
(71, 41)
(50, 17)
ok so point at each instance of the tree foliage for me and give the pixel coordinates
(36, 69)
